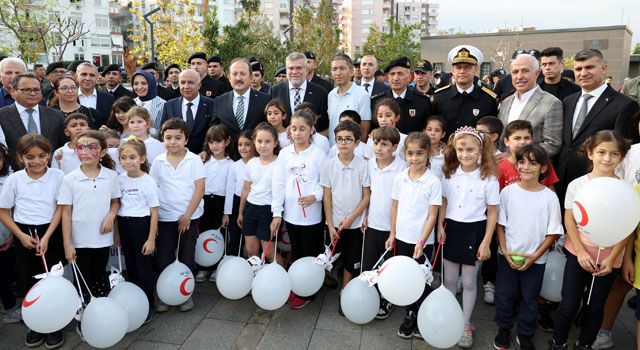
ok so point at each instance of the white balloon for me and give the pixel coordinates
(553, 276)
(175, 284)
(209, 248)
(134, 301)
(234, 278)
(224, 259)
(401, 281)
(306, 276)
(50, 305)
(607, 209)
(271, 287)
(440, 319)
(359, 301)
(216, 233)
(104, 322)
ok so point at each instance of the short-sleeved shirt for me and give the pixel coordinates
(346, 183)
(33, 201)
(381, 184)
(435, 165)
(177, 185)
(154, 148)
(362, 150)
(69, 161)
(216, 172)
(508, 174)
(468, 195)
(528, 217)
(414, 199)
(139, 194)
(399, 153)
(91, 201)
(356, 98)
(235, 182)
(265, 187)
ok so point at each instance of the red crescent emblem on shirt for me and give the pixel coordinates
(585, 217)
(26, 303)
(204, 245)
(183, 289)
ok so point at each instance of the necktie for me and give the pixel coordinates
(32, 128)
(240, 112)
(582, 114)
(189, 116)
(111, 92)
(399, 100)
(296, 98)
(366, 87)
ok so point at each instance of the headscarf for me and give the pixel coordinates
(152, 91)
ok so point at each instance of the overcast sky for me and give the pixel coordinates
(543, 14)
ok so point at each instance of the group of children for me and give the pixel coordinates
(400, 193)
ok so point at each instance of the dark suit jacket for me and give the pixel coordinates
(378, 87)
(314, 94)
(51, 127)
(327, 85)
(122, 91)
(173, 109)
(612, 111)
(103, 105)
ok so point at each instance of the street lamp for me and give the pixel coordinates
(146, 18)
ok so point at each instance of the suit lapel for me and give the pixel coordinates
(200, 116)
(229, 106)
(531, 104)
(14, 119)
(44, 122)
(506, 108)
(567, 128)
(602, 101)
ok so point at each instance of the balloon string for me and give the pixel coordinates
(83, 280)
(381, 257)
(75, 274)
(178, 247)
(119, 259)
(264, 253)
(593, 278)
(226, 239)
(304, 213)
(44, 260)
(435, 258)
(275, 246)
(240, 246)
(335, 241)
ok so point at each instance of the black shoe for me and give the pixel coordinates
(578, 346)
(525, 343)
(54, 340)
(330, 281)
(385, 309)
(416, 332)
(544, 319)
(407, 327)
(33, 339)
(149, 318)
(340, 308)
(502, 340)
(631, 303)
(554, 346)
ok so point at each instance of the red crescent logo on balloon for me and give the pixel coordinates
(585, 217)
(26, 303)
(183, 290)
(382, 269)
(204, 245)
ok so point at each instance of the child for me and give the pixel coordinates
(605, 149)
(29, 211)
(345, 179)
(435, 130)
(118, 119)
(387, 113)
(216, 167)
(362, 149)
(414, 190)
(180, 177)
(470, 193)
(235, 183)
(138, 216)
(260, 213)
(66, 158)
(302, 162)
(492, 127)
(10, 308)
(318, 139)
(529, 222)
(276, 115)
(113, 138)
(382, 170)
(139, 121)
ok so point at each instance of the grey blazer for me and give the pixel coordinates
(544, 111)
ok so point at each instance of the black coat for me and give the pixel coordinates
(416, 108)
(314, 94)
(173, 109)
(463, 109)
(210, 87)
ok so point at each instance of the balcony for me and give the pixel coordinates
(117, 12)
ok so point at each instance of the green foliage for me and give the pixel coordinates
(636, 50)
(211, 31)
(386, 46)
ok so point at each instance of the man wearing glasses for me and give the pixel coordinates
(53, 72)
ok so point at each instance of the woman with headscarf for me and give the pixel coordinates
(146, 87)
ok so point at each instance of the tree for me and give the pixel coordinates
(211, 31)
(501, 54)
(387, 47)
(636, 50)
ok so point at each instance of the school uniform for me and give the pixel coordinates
(321, 141)
(91, 201)
(134, 222)
(177, 186)
(214, 192)
(399, 153)
(265, 198)
(235, 182)
(154, 148)
(362, 150)
(283, 140)
(346, 183)
(435, 165)
(528, 218)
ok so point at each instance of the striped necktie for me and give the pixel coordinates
(240, 112)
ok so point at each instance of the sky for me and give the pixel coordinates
(489, 15)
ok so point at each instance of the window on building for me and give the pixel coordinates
(438, 66)
(365, 31)
(366, 21)
(367, 12)
(78, 57)
(104, 59)
(97, 2)
(366, 2)
(485, 69)
(102, 21)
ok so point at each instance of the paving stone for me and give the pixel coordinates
(250, 336)
(151, 345)
(291, 329)
(328, 339)
(210, 334)
(233, 310)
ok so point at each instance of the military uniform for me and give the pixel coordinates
(226, 85)
(210, 87)
(322, 82)
(415, 106)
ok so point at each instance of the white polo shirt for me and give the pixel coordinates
(235, 182)
(305, 167)
(283, 140)
(154, 149)
(468, 195)
(216, 172)
(321, 141)
(399, 153)
(33, 201)
(381, 185)
(346, 183)
(362, 150)
(266, 189)
(91, 201)
(138, 195)
(69, 161)
(435, 165)
(177, 185)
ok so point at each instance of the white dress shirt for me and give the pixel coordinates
(469, 90)
(592, 101)
(24, 116)
(518, 104)
(402, 95)
(194, 108)
(90, 100)
(370, 87)
(292, 94)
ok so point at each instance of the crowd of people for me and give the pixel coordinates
(404, 160)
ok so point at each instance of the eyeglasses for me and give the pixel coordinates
(67, 88)
(29, 91)
(345, 140)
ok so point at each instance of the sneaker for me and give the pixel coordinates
(416, 332)
(161, 307)
(330, 281)
(544, 319)
(13, 315)
(187, 305)
(33, 339)
(298, 303)
(502, 340)
(466, 341)
(385, 309)
(578, 346)
(54, 340)
(201, 276)
(79, 331)
(554, 346)
(603, 340)
(212, 276)
(459, 285)
(525, 343)
(291, 297)
(408, 326)
(489, 293)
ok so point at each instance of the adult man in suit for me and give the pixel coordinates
(311, 72)
(368, 67)
(196, 110)
(531, 103)
(241, 108)
(88, 96)
(596, 107)
(26, 116)
(209, 87)
(297, 90)
(10, 67)
(114, 82)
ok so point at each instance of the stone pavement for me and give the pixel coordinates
(218, 323)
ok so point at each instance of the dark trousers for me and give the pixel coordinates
(28, 264)
(573, 285)
(167, 242)
(7, 266)
(406, 249)
(134, 232)
(93, 265)
(213, 211)
(305, 240)
(374, 241)
(513, 285)
(489, 267)
(234, 233)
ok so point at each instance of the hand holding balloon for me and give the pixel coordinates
(585, 261)
(388, 245)
(183, 223)
(27, 241)
(628, 269)
(70, 253)
(605, 267)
